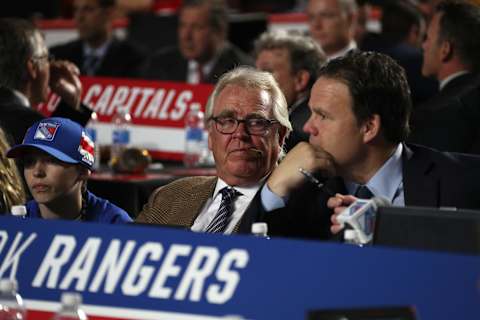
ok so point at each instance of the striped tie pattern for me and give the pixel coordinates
(221, 219)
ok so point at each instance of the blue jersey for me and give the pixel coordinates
(98, 210)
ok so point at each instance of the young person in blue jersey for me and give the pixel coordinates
(57, 156)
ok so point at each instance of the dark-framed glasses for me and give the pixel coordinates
(255, 126)
(49, 57)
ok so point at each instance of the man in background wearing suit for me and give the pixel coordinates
(97, 52)
(247, 121)
(451, 55)
(331, 23)
(27, 75)
(360, 110)
(203, 53)
(294, 61)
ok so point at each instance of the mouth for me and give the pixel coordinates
(40, 187)
(247, 152)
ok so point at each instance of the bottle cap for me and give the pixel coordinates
(71, 299)
(350, 235)
(260, 228)
(19, 211)
(7, 285)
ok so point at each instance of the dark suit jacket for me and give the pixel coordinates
(122, 58)
(298, 117)
(16, 118)
(430, 179)
(170, 65)
(449, 121)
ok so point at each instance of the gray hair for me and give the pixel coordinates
(305, 53)
(248, 77)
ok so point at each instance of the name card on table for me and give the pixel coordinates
(147, 272)
(157, 108)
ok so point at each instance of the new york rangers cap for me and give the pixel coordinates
(61, 138)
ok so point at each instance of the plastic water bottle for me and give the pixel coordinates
(92, 131)
(11, 303)
(260, 229)
(350, 236)
(70, 309)
(120, 134)
(19, 211)
(195, 142)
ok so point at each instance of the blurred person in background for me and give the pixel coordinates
(27, 74)
(332, 23)
(97, 51)
(203, 53)
(451, 56)
(57, 156)
(294, 61)
(11, 185)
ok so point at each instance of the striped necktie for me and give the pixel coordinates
(221, 219)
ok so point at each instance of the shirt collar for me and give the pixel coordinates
(448, 79)
(386, 180)
(248, 192)
(351, 46)
(97, 52)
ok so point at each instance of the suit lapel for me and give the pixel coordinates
(421, 185)
(198, 196)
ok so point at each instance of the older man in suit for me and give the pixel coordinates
(203, 53)
(27, 74)
(360, 110)
(247, 121)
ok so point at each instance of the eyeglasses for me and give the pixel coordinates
(49, 57)
(253, 126)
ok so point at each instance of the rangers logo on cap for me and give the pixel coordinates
(46, 131)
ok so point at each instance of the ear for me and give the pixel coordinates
(210, 143)
(371, 128)
(301, 79)
(83, 173)
(282, 133)
(446, 50)
(32, 69)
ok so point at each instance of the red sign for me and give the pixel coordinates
(157, 109)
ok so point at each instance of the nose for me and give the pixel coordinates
(38, 168)
(309, 128)
(241, 131)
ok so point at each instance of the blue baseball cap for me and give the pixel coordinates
(59, 137)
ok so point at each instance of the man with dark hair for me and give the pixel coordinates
(450, 55)
(360, 111)
(26, 77)
(203, 53)
(294, 60)
(98, 52)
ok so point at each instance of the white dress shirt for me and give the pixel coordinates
(212, 205)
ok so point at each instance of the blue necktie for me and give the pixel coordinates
(90, 65)
(221, 219)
